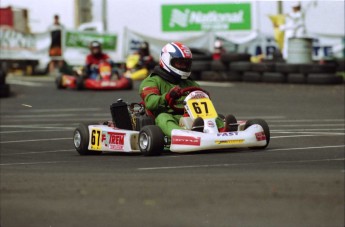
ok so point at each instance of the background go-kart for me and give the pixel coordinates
(297, 181)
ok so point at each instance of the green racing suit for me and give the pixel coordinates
(153, 91)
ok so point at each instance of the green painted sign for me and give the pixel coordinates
(204, 17)
(77, 39)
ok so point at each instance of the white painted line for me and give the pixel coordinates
(293, 136)
(61, 110)
(314, 133)
(262, 117)
(34, 163)
(307, 130)
(239, 164)
(308, 125)
(277, 149)
(30, 131)
(24, 83)
(26, 105)
(73, 120)
(309, 120)
(69, 115)
(215, 84)
(36, 140)
(305, 148)
(37, 152)
(41, 126)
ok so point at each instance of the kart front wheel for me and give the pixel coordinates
(151, 140)
(81, 140)
(80, 83)
(265, 127)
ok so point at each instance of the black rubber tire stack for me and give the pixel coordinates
(201, 62)
(4, 88)
(320, 74)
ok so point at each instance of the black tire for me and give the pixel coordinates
(324, 79)
(234, 57)
(234, 76)
(265, 127)
(271, 77)
(240, 66)
(341, 65)
(58, 82)
(80, 83)
(151, 140)
(196, 75)
(263, 67)
(201, 54)
(4, 90)
(199, 66)
(2, 76)
(130, 85)
(251, 77)
(217, 65)
(82, 147)
(316, 68)
(296, 78)
(286, 68)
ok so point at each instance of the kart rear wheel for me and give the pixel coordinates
(151, 140)
(81, 140)
(265, 127)
(58, 82)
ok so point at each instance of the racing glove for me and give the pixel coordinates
(173, 94)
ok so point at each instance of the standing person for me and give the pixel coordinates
(55, 50)
(294, 26)
(165, 84)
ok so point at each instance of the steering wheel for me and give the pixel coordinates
(184, 92)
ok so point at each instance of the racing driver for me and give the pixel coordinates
(95, 57)
(166, 83)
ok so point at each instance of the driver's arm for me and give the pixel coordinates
(151, 95)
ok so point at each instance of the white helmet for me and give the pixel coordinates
(176, 59)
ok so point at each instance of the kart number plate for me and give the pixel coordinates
(96, 135)
(201, 108)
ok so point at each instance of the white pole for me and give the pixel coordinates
(104, 15)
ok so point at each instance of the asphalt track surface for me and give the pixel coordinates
(297, 181)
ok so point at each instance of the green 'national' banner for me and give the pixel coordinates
(201, 17)
(82, 39)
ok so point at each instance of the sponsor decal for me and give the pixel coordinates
(260, 136)
(210, 124)
(229, 141)
(108, 83)
(198, 95)
(227, 134)
(201, 17)
(116, 140)
(185, 140)
(96, 139)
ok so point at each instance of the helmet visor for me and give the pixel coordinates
(183, 64)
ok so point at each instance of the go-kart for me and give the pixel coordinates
(106, 80)
(133, 68)
(133, 130)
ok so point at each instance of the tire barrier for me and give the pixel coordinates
(277, 72)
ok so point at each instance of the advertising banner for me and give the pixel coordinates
(75, 44)
(133, 40)
(77, 39)
(204, 17)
